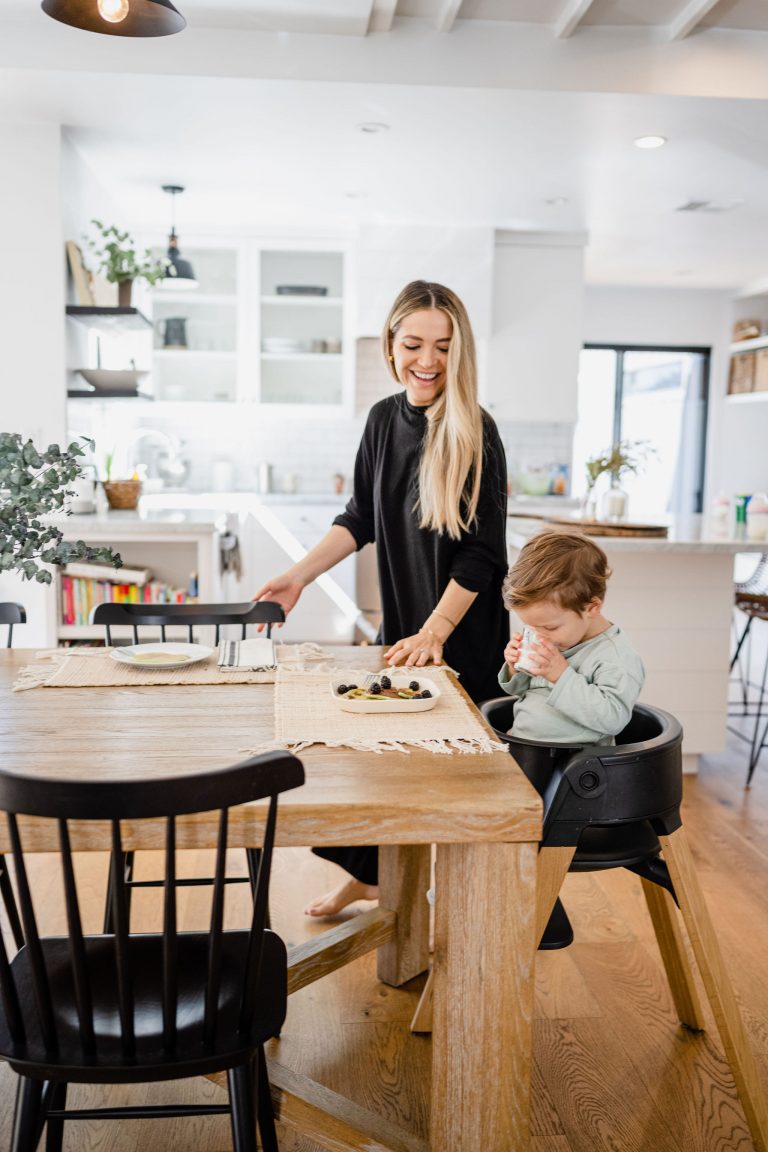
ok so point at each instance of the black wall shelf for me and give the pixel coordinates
(108, 317)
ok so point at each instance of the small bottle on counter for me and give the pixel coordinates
(720, 517)
(757, 517)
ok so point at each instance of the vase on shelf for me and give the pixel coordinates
(614, 504)
(124, 289)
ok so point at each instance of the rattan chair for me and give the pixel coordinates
(123, 1008)
(618, 806)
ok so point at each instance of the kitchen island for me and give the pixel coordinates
(674, 598)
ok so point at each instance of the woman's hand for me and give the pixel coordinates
(512, 651)
(416, 651)
(283, 590)
(546, 660)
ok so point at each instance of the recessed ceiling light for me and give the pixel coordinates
(371, 127)
(650, 141)
(557, 201)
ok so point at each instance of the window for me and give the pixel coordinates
(656, 395)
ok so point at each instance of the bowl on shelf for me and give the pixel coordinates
(122, 494)
(110, 379)
(301, 290)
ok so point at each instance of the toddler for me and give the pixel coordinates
(583, 676)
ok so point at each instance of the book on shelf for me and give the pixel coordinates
(257, 655)
(86, 571)
(80, 595)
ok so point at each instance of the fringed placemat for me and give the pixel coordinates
(306, 713)
(94, 668)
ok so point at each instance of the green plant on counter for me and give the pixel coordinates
(626, 456)
(118, 258)
(33, 486)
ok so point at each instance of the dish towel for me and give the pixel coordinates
(94, 668)
(305, 713)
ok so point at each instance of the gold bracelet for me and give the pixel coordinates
(435, 639)
(443, 616)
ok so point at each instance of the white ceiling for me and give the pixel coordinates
(494, 108)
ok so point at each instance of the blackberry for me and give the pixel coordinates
(342, 688)
(414, 685)
(426, 694)
(375, 688)
(386, 682)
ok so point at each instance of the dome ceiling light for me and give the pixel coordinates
(118, 17)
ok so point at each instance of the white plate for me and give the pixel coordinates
(156, 656)
(387, 704)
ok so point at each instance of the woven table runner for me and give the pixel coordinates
(306, 713)
(94, 668)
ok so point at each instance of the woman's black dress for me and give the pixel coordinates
(415, 564)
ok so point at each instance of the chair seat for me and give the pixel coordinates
(615, 846)
(150, 1062)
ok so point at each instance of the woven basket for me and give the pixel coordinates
(122, 493)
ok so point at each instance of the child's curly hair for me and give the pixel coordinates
(566, 567)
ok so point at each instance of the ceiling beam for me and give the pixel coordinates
(447, 13)
(693, 13)
(571, 16)
(382, 15)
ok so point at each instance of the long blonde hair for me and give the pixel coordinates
(452, 459)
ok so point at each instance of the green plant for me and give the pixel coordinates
(626, 456)
(118, 259)
(34, 485)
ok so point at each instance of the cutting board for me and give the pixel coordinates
(605, 528)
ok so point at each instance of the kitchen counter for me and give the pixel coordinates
(674, 599)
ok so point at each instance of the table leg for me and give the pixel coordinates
(483, 997)
(403, 884)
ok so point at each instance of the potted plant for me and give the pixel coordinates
(34, 485)
(120, 262)
(624, 457)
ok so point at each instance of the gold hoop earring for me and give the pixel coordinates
(392, 359)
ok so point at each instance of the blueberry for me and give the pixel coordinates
(386, 682)
(426, 694)
(342, 688)
(375, 689)
(414, 685)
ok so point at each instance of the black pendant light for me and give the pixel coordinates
(178, 274)
(118, 17)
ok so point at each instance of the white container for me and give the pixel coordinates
(526, 650)
(757, 517)
(720, 517)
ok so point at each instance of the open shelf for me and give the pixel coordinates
(108, 317)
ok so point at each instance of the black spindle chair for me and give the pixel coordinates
(190, 616)
(122, 1007)
(10, 614)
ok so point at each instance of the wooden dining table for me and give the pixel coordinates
(478, 809)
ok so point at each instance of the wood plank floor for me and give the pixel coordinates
(613, 1070)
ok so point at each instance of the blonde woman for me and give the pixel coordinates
(430, 489)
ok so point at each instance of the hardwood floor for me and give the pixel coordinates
(613, 1069)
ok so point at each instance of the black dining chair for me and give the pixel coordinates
(122, 1007)
(618, 806)
(162, 616)
(189, 616)
(11, 614)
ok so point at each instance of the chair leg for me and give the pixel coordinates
(758, 742)
(27, 1122)
(672, 948)
(422, 1017)
(9, 900)
(242, 1107)
(54, 1135)
(109, 925)
(552, 868)
(264, 1108)
(717, 986)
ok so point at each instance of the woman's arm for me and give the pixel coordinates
(427, 644)
(336, 545)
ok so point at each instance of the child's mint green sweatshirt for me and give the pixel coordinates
(590, 703)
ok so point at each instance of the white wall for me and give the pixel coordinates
(672, 317)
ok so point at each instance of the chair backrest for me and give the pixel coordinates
(189, 616)
(55, 968)
(11, 614)
(626, 783)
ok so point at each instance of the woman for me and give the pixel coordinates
(430, 488)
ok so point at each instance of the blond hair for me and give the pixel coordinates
(452, 459)
(566, 567)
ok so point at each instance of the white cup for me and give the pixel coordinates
(526, 650)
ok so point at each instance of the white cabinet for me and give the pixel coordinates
(533, 354)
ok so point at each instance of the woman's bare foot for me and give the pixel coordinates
(346, 893)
